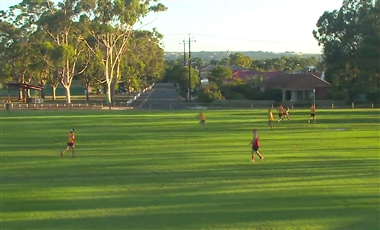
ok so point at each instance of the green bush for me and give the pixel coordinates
(209, 93)
(272, 94)
(337, 94)
(373, 97)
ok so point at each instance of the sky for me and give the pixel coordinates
(236, 25)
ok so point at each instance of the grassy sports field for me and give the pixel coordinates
(161, 170)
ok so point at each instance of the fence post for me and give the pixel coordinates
(170, 106)
(272, 106)
(332, 106)
(121, 104)
(373, 106)
(101, 104)
(292, 105)
(353, 105)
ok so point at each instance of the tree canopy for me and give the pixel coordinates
(350, 40)
(86, 40)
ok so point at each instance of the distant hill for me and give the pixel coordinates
(218, 55)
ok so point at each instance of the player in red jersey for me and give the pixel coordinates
(255, 146)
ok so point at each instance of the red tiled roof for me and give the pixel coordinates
(296, 82)
(232, 67)
(246, 74)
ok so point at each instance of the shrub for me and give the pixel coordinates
(209, 93)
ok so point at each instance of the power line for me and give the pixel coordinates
(243, 39)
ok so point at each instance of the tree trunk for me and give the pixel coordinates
(20, 95)
(109, 89)
(113, 86)
(87, 93)
(68, 95)
(53, 96)
(43, 93)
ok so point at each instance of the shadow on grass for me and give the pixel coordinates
(225, 210)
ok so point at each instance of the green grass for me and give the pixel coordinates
(160, 170)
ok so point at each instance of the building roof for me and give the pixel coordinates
(246, 74)
(232, 67)
(296, 82)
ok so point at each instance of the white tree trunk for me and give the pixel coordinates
(53, 90)
(109, 90)
(68, 95)
(20, 95)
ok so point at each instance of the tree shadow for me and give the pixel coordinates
(189, 213)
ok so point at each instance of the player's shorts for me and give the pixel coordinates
(202, 121)
(270, 121)
(255, 148)
(312, 114)
(70, 144)
(280, 115)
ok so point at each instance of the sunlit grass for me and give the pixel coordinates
(161, 170)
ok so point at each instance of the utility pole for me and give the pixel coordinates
(184, 42)
(190, 41)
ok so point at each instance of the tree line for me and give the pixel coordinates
(350, 41)
(92, 41)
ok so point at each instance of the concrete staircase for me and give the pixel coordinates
(164, 96)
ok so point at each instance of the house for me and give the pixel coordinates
(299, 87)
(248, 74)
(233, 68)
(209, 68)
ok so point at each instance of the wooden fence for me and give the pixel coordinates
(74, 106)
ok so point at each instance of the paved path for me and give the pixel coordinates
(163, 96)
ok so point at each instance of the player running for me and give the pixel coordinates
(255, 146)
(281, 111)
(270, 118)
(313, 116)
(202, 118)
(70, 143)
(286, 113)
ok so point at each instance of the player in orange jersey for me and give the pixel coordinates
(270, 118)
(202, 118)
(70, 143)
(313, 116)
